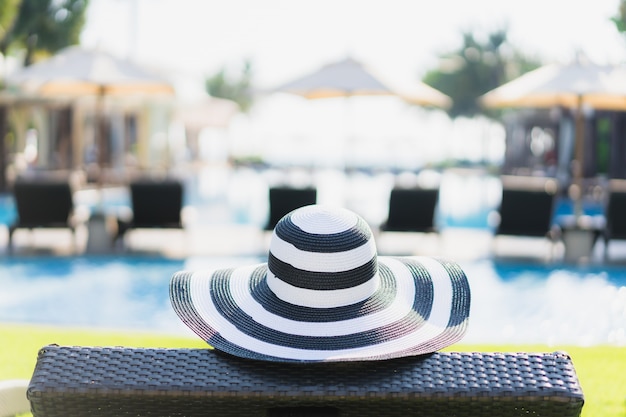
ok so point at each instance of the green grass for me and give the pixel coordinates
(601, 369)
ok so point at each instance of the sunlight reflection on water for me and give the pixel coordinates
(511, 303)
(546, 304)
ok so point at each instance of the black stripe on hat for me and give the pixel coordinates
(424, 290)
(459, 314)
(461, 296)
(460, 304)
(264, 296)
(180, 297)
(322, 280)
(241, 352)
(230, 310)
(349, 239)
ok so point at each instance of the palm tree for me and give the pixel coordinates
(41, 25)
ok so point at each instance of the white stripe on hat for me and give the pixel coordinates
(335, 220)
(322, 261)
(400, 307)
(200, 295)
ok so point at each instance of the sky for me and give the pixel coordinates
(287, 38)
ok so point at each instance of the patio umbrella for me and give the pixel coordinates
(576, 85)
(76, 71)
(348, 77)
(573, 85)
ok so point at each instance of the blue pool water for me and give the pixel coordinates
(511, 302)
(92, 291)
(8, 212)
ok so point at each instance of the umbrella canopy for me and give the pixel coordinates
(577, 84)
(338, 79)
(348, 77)
(77, 71)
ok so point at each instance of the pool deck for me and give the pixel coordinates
(224, 240)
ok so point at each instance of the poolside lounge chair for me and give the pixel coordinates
(412, 210)
(282, 200)
(95, 381)
(615, 213)
(155, 205)
(42, 203)
(527, 208)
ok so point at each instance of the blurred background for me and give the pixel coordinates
(227, 61)
(511, 114)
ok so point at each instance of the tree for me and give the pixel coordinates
(239, 90)
(8, 11)
(620, 18)
(41, 26)
(476, 68)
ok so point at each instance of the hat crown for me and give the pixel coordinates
(322, 257)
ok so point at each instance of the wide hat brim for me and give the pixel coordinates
(421, 305)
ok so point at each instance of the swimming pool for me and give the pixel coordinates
(511, 302)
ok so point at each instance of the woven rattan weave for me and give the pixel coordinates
(92, 381)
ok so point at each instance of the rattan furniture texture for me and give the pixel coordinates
(92, 381)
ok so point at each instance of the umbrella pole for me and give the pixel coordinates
(579, 153)
(100, 140)
(99, 235)
(347, 132)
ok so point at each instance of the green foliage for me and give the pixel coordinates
(620, 18)
(8, 11)
(42, 26)
(239, 90)
(474, 69)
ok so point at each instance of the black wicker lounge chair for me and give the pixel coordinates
(527, 208)
(155, 205)
(81, 381)
(283, 200)
(615, 214)
(412, 210)
(42, 204)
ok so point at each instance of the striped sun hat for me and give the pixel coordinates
(325, 295)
